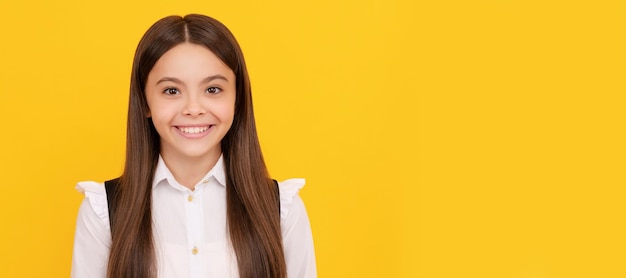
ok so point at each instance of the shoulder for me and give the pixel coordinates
(289, 198)
(296, 231)
(92, 238)
(95, 200)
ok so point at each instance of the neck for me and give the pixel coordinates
(188, 171)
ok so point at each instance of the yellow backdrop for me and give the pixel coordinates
(438, 138)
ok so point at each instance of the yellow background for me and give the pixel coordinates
(438, 138)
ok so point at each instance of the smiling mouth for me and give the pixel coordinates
(193, 130)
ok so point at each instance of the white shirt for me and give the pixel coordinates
(190, 233)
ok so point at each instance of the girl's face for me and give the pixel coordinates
(191, 97)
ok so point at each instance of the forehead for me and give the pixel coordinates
(188, 61)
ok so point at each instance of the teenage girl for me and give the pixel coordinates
(195, 198)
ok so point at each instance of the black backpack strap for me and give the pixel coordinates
(111, 190)
(277, 196)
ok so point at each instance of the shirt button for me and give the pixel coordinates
(190, 198)
(205, 181)
(194, 250)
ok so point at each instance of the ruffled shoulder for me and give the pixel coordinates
(288, 192)
(97, 197)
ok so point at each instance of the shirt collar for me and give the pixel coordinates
(163, 173)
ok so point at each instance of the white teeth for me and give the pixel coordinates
(193, 130)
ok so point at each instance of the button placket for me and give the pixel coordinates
(194, 219)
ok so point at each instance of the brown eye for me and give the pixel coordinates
(213, 90)
(171, 91)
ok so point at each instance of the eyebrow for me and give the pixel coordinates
(206, 80)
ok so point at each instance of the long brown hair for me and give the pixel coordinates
(252, 215)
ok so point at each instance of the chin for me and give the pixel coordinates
(199, 153)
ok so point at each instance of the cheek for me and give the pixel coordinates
(226, 110)
(226, 113)
(160, 114)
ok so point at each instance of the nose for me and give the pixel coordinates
(193, 106)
